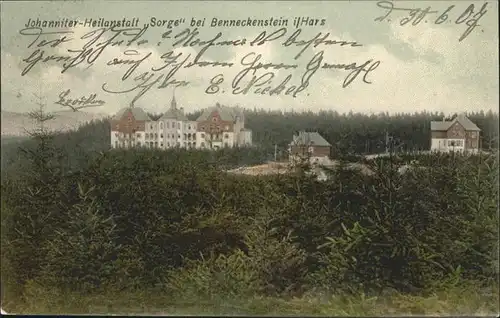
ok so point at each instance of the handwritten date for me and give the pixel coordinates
(470, 16)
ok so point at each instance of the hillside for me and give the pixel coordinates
(170, 224)
(16, 124)
(125, 224)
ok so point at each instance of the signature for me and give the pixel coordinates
(264, 85)
(79, 103)
(470, 16)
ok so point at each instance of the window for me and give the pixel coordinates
(214, 119)
(156, 136)
(156, 144)
(161, 136)
(202, 135)
(226, 136)
(189, 127)
(161, 144)
(168, 144)
(202, 145)
(116, 144)
(151, 126)
(179, 136)
(473, 134)
(138, 135)
(178, 125)
(138, 143)
(227, 127)
(226, 144)
(455, 143)
(311, 149)
(161, 125)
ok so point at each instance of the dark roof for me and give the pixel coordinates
(138, 113)
(309, 138)
(461, 119)
(174, 114)
(225, 113)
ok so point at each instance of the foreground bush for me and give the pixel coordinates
(175, 222)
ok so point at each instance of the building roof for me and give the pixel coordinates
(225, 113)
(138, 113)
(173, 112)
(461, 119)
(309, 138)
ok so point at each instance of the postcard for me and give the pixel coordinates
(250, 157)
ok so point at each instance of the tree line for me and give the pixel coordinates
(349, 134)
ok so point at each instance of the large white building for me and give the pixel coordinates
(215, 128)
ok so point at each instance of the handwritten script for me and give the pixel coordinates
(142, 70)
(469, 16)
(78, 103)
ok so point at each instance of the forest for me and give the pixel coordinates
(86, 229)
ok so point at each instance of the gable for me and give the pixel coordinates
(136, 112)
(310, 138)
(456, 126)
(456, 130)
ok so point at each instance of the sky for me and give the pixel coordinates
(420, 67)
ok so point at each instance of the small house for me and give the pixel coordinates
(459, 134)
(310, 145)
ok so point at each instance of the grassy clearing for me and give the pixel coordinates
(456, 301)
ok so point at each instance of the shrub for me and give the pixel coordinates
(81, 253)
(221, 276)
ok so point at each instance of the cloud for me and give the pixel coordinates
(400, 85)
(443, 74)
